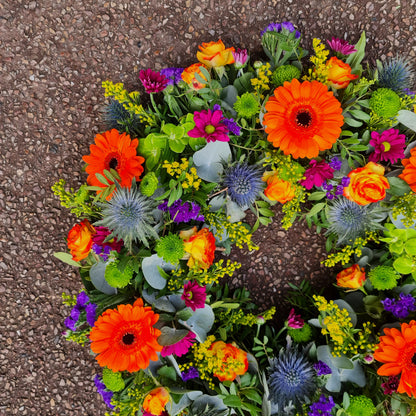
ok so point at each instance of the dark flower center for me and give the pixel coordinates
(414, 359)
(128, 339)
(113, 163)
(303, 118)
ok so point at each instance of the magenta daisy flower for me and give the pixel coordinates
(209, 124)
(152, 81)
(317, 174)
(194, 295)
(388, 146)
(341, 46)
(181, 347)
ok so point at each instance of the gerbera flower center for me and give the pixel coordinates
(128, 339)
(112, 161)
(303, 118)
(386, 146)
(414, 359)
(209, 129)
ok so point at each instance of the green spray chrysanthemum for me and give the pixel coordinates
(149, 184)
(246, 105)
(361, 406)
(299, 335)
(129, 216)
(385, 103)
(113, 380)
(285, 73)
(117, 278)
(383, 277)
(395, 73)
(170, 248)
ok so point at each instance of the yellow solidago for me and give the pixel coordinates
(406, 206)
(237, 317)
(261, 83)
(320, 70)
(182, 172)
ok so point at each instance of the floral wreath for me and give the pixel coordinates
(170, 182)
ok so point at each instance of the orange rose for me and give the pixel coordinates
(278, 190)
(188, 75)
(156, 401)
(339, 73)
(367, 184)
(409, 171)
(352, 278)
(79, 240)
(214, 54)
(233, 361)
(200, 246)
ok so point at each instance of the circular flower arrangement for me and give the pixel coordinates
(169, 183)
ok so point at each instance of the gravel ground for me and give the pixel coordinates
(53, 57)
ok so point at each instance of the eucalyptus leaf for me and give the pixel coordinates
(407, 118)
(97, 276)
(235, 213)
(150, 268)
(200, 322)
(170, 336)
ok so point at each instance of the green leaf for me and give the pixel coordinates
(232, 401)
(168, 372)
(243, 84)
(354, 60)
(359, 148)
(151, 148)
(352, 122)
(404, 265)
(252, 395)
(176, 137)
(66, 258)
(102, 179)
(315, 209)
(316, 196)
(410, 247)
(398, 187)
(360, 115)
(407, 118)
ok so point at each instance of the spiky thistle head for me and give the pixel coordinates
(396, 73)
(128, 214)
(115, 116)
(348, 220)
(291, 378)
(243, 183)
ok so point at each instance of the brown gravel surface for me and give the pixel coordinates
(53, 57)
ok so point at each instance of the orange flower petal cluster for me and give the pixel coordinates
(214, 54)
(397, 349)
(113, 150)
(125, 339)
(409, 171)
(80, 240)
(367, 184)
(303, 118)
(278, 189)
(339, 73)
(156, 401)
(351, 278)
(188, 75)
(231, 361)
(200, 245)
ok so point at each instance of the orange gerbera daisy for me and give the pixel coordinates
(409, 171)
(113, 150)
(397, 349)
(125, 339)
(303, 118)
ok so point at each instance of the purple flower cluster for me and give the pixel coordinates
(190, 374)
(231, 125)
(83, 303)
(401, 307)
(335, 163)
(104, 252)
(173, 75)
(333, 191)
(322, 407)
(279, 27)
(105, 394)
(321, 368)
(182, 212)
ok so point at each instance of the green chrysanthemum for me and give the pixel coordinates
(113, 380)
(285, 73)
(385, 103)
(117, 278)
(299, 335)
(383, 277)
(361, 406)
(170, 248)
(246, 105)
(149, 184)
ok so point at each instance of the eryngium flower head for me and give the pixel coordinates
(243, 183)
(128, 215)
(115, 116)
(348, 220)
(291, 378)
(395, 73)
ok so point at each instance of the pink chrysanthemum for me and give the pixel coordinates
(181, 347)
(194, 295)
(341, 46)
(240, 58)
(209, 124)
(101, 233)
(388, 146)
(295, 321)
(152, 81)
(317, 174)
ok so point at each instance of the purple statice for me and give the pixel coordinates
(328, 188)
(321, 368)
(173, 75)
(182, 212)
(401, 307)
(105, 394)
(232, 126)
(152, 81)
(240, 58)
(83, 303)
(279, 27)
(102, 251)
(335, 163)
(190, 374)
(409, 92)
(341, 46)
(322, 407)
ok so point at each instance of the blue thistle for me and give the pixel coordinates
(243, 183)
(348, 220)
(291, 379)
(115, 116)
(129, 216)
(396, 74)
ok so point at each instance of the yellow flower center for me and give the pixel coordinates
(386, 146)
(209, 129)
